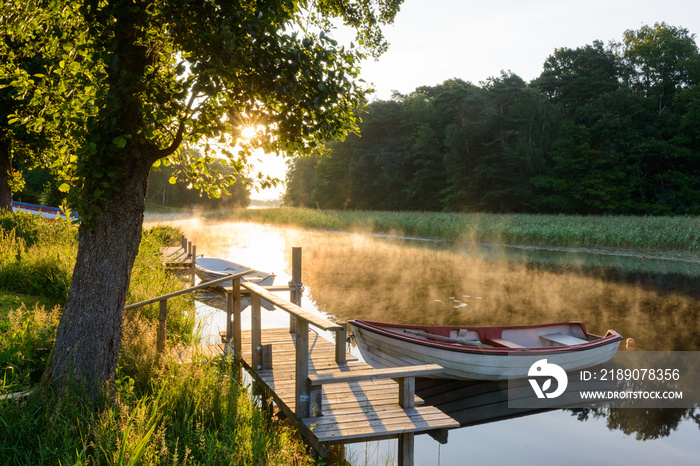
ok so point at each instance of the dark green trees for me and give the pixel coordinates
(455, 146)
(621, 147)
(601, 130)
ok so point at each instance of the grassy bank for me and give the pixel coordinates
(645, 234)
(161, 412)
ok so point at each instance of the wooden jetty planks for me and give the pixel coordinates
(175, 256)
(354, 411)
(386, 423)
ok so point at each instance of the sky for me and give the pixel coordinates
(435, 40)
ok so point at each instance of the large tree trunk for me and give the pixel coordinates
(89, 335)
(5, 167)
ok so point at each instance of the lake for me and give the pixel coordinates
(347, 276)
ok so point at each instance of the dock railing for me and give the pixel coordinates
(163, 300)
(300, 320)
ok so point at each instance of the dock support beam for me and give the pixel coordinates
(406, 449)
(341, 343)
(237, 340)
(302, 392)
(295, 285)
(233, 320)
(229, 321)
(194, 264)
(256, 332)
(407, 392)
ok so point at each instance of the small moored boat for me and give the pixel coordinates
(212, 268)
(484, 353)
(50, 213)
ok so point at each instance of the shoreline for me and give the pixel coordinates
(244, 216)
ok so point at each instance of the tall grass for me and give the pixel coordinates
(680, 233)
(161, 412)
(192, 414)
(36, 257)
(26, 339)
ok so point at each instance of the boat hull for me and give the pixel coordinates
(49, 213)
(212, 268)
(389, 349)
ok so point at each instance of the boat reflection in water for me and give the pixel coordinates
(483, 401)
(532, 432)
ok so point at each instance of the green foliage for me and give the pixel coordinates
(164, 235)
(601, 131)
(112, 83)
(36, 231)
(164, 190)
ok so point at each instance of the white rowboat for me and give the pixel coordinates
(483, 353)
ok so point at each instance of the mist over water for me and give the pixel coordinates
(348, 276)
(355, 277)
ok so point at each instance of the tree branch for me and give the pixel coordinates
(179, 136)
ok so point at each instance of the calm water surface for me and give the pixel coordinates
(346, 276)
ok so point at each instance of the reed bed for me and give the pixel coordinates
(635, 233)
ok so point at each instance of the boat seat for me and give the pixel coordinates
(563, 339)
(503, 343)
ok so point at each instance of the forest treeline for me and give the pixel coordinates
(604, 129)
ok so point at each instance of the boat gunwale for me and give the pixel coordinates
(611, 337)
(257, 273)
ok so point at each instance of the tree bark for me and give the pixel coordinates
(5, 167)
(89, 334)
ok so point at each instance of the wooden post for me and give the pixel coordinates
(406, 449)
(295, 293)
(302, 370)
(407, 399)
(255, 331)
(184, 243)
(237, 341)
(340, 343)
(229, 321)
(266, 357)
(407, 392)
(189, 249)
(194, 263)
(162, 318)
(316, 400)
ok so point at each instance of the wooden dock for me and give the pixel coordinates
(181, 256)
(329, 395)
(352, 411)
(175, 257)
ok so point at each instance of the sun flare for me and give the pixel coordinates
(249, 132)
